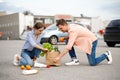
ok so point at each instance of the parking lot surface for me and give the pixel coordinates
(103, 71)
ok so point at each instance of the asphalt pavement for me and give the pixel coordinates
(103, 71)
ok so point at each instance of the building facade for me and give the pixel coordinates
(13, 25)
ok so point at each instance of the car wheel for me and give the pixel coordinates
(53, 40)
(110, 44)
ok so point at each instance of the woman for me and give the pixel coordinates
(32, 47)
(85, 40)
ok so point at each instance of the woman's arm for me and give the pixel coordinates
(33, 43)
(39, 47)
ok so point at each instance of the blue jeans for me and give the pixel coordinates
(27, 56)
(91, 57)
(72, 52)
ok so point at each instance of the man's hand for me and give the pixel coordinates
(66, 38)
(56, 59)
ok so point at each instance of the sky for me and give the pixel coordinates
(104, 9)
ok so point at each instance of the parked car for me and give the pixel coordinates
(112, 33)
(52, 34)
(85, 26)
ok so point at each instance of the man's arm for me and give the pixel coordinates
(65, 51)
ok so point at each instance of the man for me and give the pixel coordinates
(85, 40)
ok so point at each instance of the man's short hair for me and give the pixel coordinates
(61, 22)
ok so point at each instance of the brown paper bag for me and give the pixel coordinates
(50, 56)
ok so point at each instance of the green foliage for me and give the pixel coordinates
(56, 48)
(46, 46)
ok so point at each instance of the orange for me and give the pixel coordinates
(61, 39)
(28, 67)
(22, 67)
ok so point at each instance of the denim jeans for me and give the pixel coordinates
(72, 52)
(91, 57)
(27, 56)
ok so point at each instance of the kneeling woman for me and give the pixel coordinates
(32, 47)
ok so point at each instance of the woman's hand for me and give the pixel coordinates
(44, 50)
(35, 58)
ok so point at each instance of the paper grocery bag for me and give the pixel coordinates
(50, 56)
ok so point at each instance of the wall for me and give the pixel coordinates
(9, 26)
(24, 21)
(97, 24)
(13, 25)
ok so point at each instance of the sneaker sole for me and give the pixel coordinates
(109, 57)
(72, 64)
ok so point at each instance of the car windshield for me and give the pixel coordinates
(52, 27)
(114, 23)
(80, 24)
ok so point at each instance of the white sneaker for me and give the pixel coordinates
(39, 65)
(109, 57)
(73, 62)
(16, 61)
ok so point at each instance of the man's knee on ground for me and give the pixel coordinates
(92, 64)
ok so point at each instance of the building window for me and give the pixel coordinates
(8, 24)
(3, 25)
(48, 21)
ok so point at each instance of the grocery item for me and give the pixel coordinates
(61, 39)
(50, 56)
(22, 67)
(46, 46)
(28, 67)
(28, 72)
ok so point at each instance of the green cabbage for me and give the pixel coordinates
(46, 46)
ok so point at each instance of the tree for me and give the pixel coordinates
(27, 13)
